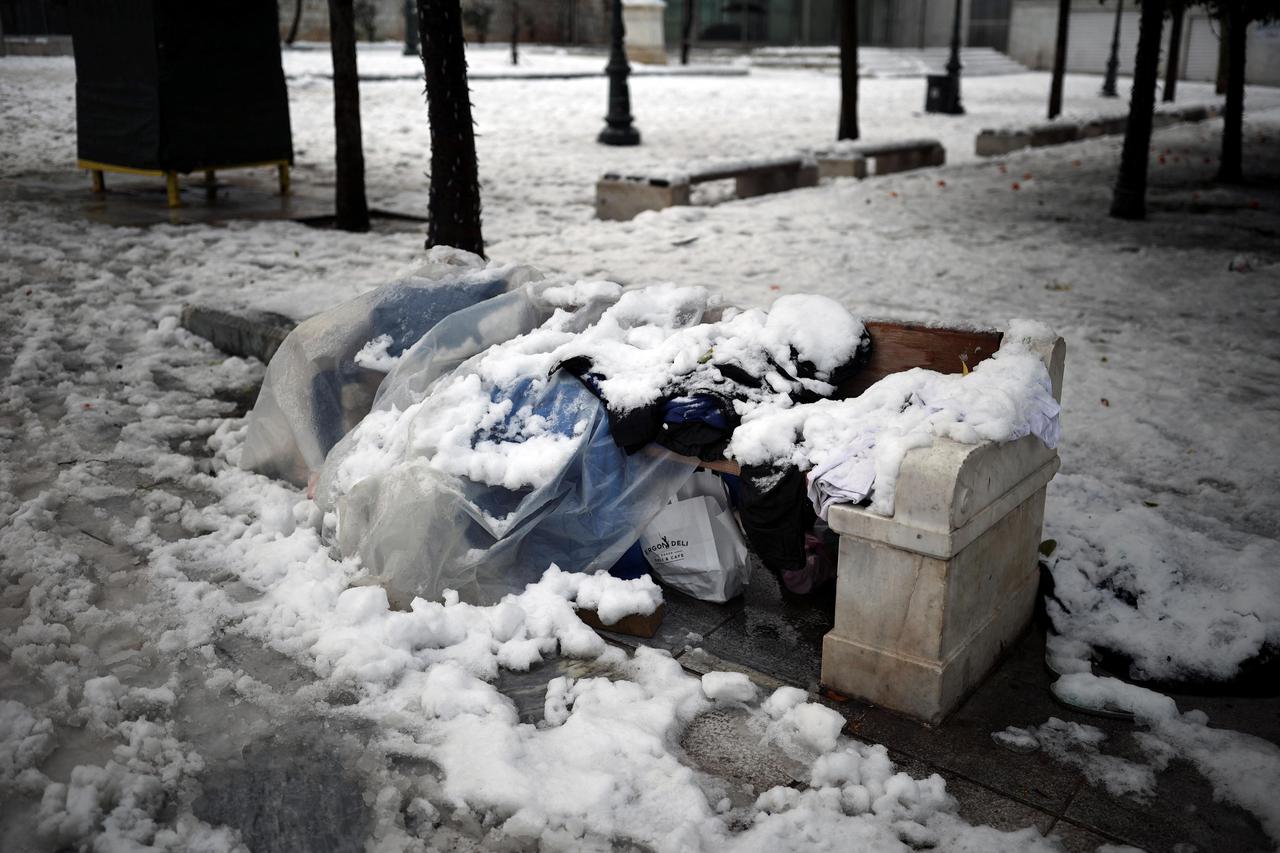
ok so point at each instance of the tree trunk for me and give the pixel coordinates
(453, 200)
(1059, 58)
(349, 201)
(848, 70)
(1129, 200)
(1235, 25)
(297, 19)
(1175, 52)
(686, 31)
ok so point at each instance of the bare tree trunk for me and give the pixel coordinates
(686, 31)
(1129, 199)
(848, 70)
(453, 201)
(1059, 58)
(1235, 25)
(352, 211)
(297, 19)
(1175, 52)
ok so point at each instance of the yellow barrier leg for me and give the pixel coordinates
(99, 185)
(171, 184)
(284, 178)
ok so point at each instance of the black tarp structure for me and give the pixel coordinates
(177, 86)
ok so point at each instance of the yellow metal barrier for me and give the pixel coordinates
(97, 169)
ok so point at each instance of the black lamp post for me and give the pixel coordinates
(618, 128)
(943, 93)
(1113, 61)
(410, 28)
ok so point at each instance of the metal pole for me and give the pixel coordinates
(1113, 61)
(1059, 58)
(618, 128)
(1175, 53)
(954, 106)
(410, 28)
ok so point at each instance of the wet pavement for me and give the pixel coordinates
(777, 641)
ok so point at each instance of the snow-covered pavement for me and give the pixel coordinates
(171, 627)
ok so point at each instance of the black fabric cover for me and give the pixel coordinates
(776, 513)
(175, 85)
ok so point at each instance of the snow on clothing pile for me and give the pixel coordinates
(520, 431)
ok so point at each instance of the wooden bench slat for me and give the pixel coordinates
(901, 346)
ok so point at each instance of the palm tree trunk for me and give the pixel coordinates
(848, 70)
(453, 200)
(1235, 25)
(1175, 51)
(1129, 199)
(352, 211)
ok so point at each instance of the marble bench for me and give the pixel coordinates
(849, 159)
(930, 598)
(620, 197)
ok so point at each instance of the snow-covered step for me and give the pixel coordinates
(890, 62)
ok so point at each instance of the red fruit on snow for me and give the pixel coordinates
(942, 183)
(1015, 186)
(1026, 176)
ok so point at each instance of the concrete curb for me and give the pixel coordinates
(243, 333)
(992, 143)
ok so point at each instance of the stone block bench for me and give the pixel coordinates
(929, 599)
(849, 159)
(992, 143)
(620, 197)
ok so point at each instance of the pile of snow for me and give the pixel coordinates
(1242, 769)
(999, 400)
(644, 344)
(603, 767)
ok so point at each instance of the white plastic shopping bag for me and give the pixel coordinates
(694, 544)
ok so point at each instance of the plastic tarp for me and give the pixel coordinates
(314, 392)
(422, 530)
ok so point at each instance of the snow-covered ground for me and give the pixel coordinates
(164, 617)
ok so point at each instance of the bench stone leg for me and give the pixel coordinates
(915, 633)
(842, 166)
(621, 199)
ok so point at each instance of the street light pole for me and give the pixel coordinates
(410, 28)
(953, 64)
(1113, 61)
(618, 128)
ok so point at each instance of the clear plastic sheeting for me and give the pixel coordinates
(315, 391)
(423, 530)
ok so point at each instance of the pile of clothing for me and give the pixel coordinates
(471, 424)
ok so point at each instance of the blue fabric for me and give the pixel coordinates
(702, 408)
(407, 313)
(631, 565)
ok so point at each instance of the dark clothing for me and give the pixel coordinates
(697, 418)
(776, 513)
